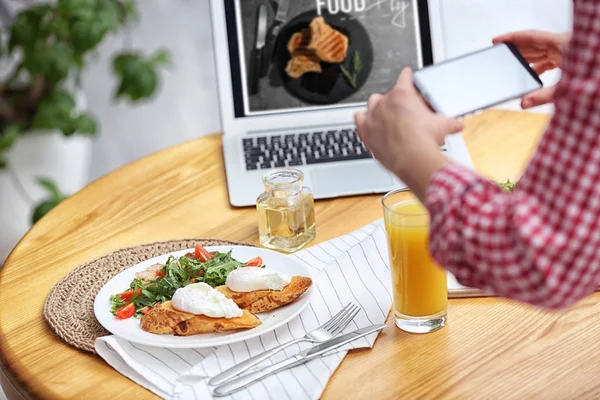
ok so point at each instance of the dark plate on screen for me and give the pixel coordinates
(329, 86)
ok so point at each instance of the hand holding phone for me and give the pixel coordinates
(544, 51)
(476, 81)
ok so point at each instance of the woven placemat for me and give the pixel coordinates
(69, 308)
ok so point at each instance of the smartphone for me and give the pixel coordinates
(476, 81)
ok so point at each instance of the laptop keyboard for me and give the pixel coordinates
(296, 149)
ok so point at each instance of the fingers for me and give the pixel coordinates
(373, 101)
(511, 37)
(445, 126)
(359, 120)
(539, 97)
(535, 56)
(527, 38)
(542, 67)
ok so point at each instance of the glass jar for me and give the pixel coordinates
(286, 214)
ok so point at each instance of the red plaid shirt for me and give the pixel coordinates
(541, 244)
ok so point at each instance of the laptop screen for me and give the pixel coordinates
(298, 55)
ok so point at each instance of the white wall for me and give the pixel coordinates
(186, 106)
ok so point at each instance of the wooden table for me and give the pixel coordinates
(491, 348)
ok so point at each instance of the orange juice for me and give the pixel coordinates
(419, 284)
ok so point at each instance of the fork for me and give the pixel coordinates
(323, 333)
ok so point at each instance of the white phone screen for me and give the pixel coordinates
(476, 81)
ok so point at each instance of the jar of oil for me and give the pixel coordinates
(286, 214)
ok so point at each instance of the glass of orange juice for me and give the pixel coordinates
(419, 284)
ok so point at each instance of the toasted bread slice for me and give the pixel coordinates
(261, 301)
(164, 319)
(330, 44)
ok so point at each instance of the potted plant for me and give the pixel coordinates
(43, 116)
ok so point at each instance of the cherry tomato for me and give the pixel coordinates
(202, 254)
(193, 280)
(131, 295)
(255, 262)
(160, 273)
(126, 311)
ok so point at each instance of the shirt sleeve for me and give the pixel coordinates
(540, 244)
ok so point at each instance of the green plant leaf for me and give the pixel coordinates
(50, 202)
(127, 63)
(161, 58)
(87, 34)
(53, 61)
(76, 8)
(8, 136)
(60, 26)
(51, 188)
(107, 13)
(55, 112)
(28, 27)
(127, 11)
(42, 209)
(85, 125)
(137, 76)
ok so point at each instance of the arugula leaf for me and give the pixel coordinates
(179, 273)
(508, 185)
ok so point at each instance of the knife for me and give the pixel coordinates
(243, 381)
(280, 19)
(261, 34)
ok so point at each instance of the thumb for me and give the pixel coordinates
(539, 97)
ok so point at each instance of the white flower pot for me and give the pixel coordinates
(64, 160)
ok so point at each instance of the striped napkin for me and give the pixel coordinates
(350, 268)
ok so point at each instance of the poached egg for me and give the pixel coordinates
(250, 279)
(202, 299)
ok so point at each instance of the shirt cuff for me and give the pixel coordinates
(448, 183)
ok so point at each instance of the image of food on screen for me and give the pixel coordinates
(307, 53)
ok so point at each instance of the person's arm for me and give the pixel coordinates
(540, 244)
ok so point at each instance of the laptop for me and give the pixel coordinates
(292, 73)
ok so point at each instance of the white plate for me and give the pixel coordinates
(129, 329)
